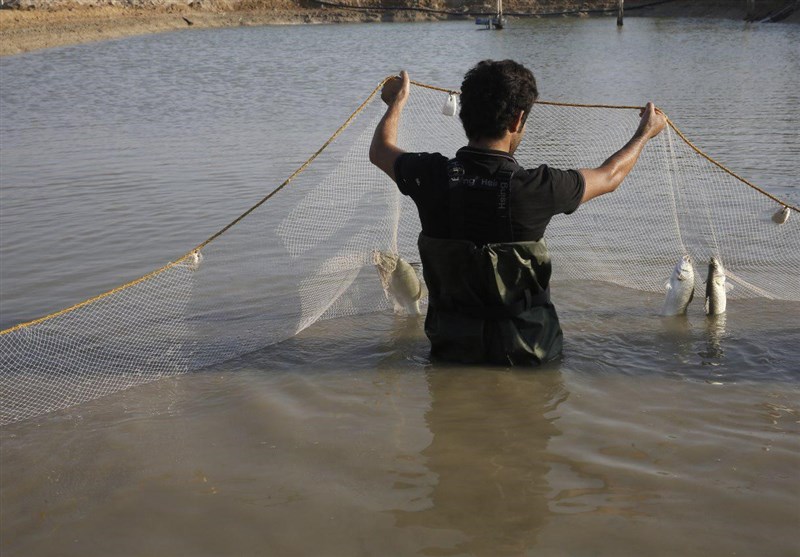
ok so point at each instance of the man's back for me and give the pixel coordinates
(483, 259)
(534, 195)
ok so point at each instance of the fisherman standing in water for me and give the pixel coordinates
(483, 217)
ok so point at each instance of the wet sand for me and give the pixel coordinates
(27, 30)
(24, 30)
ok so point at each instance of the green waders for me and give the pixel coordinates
(488, 303)
(491, 303)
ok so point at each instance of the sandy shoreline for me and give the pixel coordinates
(27, 30)
(24, 30)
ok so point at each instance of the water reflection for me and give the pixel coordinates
(490, 433)
(715, 332)
(676, 340)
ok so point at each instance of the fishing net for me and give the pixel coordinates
(305, 252)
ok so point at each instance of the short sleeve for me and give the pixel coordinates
(567, 189)
(413, 171)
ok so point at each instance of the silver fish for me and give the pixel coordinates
(680, 288)
(716, 288)
(781, 216)
(400, 282)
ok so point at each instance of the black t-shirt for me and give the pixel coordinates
(535, 195)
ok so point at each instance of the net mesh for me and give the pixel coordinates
(306, 254)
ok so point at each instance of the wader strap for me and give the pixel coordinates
(503, 202)
(455, 172)
(457, 183)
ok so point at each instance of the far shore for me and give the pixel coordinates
(28, 29)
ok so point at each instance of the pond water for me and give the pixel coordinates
(650, 437)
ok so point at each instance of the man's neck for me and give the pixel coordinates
(502, 144)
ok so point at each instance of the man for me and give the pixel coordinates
(483, 217)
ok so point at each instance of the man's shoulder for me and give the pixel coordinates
(423, 158)
(412, 170)
(532, 177)
(545, 174)
(562, 190)
(419, 163)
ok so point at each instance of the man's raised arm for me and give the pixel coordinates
(383, 151)
(609, 175)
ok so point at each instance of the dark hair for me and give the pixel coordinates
(492, 94)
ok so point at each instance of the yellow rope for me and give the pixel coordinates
(426, 86)
(579, 105)
(296, 172)
(211, 238)
(95, 298)
(548, 103)
(725, 168)
(311, 159)
(671, 124)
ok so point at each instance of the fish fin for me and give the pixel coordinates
(423, 291)
(728, 286)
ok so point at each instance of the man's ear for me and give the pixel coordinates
(518, 122)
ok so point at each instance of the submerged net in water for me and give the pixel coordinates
(305, 252)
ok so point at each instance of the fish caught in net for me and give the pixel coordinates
(307, 251)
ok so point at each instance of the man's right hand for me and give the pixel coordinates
(396, 89)
(652, 123)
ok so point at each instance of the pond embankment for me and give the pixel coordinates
(36, 24)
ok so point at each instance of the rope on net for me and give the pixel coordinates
(193, 253)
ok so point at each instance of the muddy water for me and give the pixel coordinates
(650, 437)
(347, 440)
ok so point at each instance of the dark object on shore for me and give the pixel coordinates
(187, 20)
(783, 13)
(498, 21)
(771, 15)
(489, 22)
